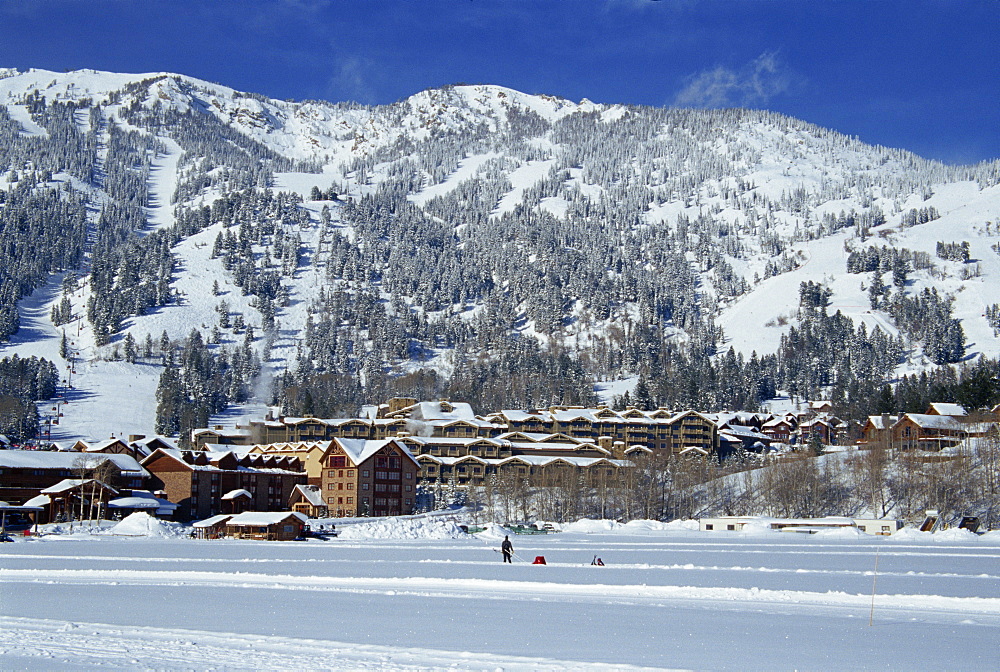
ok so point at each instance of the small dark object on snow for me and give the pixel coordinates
(507, 549)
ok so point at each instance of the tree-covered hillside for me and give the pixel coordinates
(477, 243)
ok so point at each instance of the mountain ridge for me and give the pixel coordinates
(467, 207)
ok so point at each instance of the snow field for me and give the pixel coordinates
(667, 598)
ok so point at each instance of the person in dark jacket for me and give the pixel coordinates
(507, 549)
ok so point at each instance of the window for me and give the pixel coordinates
(730, 527)
(350, 500)
(340, 500)
(331, 500)
(409, 488)
(365, 473)
(341, 473)
(350, 486)
(340, 486)
(350, 473)
(330, 486)
(709, 526)
(364, 486)
(337, 461)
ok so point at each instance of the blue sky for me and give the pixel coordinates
(922, 75)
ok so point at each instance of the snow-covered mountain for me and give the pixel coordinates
(468, 240)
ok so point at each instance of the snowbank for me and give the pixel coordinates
(394, 528)
(952, 535)
(493, 531)
(589, 526)
(141, 524)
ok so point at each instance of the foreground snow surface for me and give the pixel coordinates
(668, 598)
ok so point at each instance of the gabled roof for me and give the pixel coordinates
(102, 446)
(925, 421)
(360, 450)
(940, 408)
(880, 422)
(310, 493)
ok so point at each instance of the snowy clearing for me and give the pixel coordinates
(667, 597)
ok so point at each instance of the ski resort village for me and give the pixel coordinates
(487, 378)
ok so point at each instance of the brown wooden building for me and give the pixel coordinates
(25, 473)
(198, 480)
(369, 478)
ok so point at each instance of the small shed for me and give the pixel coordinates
(211, 528)
(308, 499)
(237, 501)
(266, 525)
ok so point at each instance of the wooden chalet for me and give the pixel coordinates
(921, 431)
(266, 525)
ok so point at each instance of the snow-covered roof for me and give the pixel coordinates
(934, 421)
(49, 459)
(882, 421)
(214, 520)
(223, 448)
(539, 437)
(941, 408)
(71, 484)
(143, 499)
(134, 503)
(441, 410)
(213, 457)
(233, 494)
(39, 500)
(310, 493)
(264, 518)
(746, 433)
(359, 450)
(228, 432)
(448, 441)
(101, 446)
(532, 460)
